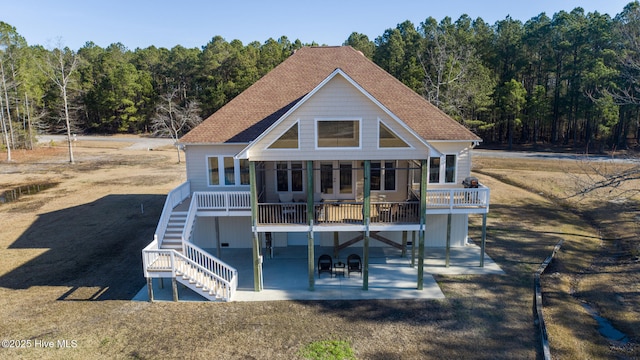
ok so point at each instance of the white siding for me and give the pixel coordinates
(463, 151)
(436, 230)
(196, 156)
(337, 100)
(235, 231)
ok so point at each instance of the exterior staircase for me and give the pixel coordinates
(173, 234)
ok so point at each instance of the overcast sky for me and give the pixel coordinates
(139, 24)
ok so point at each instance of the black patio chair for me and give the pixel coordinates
(325, 264)
(354, 264)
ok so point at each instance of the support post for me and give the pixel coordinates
(336, 244)
(404, 244)
(150, 288)
(257, 263)
(448, 247)
(484, 238)
(423, 220)
(413, 249)
(366, 212)
(174, 287)
(218, 248)
(310, 217)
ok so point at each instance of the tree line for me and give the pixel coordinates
(569, 79)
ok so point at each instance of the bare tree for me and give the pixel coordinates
(172, 119)
(609, 178)
(4, 130)
(60, 65)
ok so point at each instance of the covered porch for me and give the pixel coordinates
(391, 275)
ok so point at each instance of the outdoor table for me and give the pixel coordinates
(338, 268)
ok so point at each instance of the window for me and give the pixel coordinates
(226, 171)
(434, 170)
(214, 172)
(388, 139)
(383, 176)
(338, 133)
(445, 166)
(244, 172)
(288, 140)
(289, 176)
(229, 171)
(450, 169)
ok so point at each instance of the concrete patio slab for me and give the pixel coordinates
(391, 276)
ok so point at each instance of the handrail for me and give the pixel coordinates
(223, 200)
(455, 198)
(175, 197)
(152, 255)
(189, 223)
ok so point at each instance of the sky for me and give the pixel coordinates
(189, 23)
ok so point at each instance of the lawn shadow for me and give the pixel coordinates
(94, 248)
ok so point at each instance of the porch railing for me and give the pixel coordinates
(282, 213)
(458, 198)
(223, 200)
(174, 198)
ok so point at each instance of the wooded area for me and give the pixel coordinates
(570, 79)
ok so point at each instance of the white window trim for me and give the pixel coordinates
(409, 146)
(290, 177)
(382, 175)
(221, 174)
(315, 130)
(443, 169)
(268, 147)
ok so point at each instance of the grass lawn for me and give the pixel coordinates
(71, 260)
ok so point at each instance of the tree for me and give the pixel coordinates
(173, 120)
(361, 43)
(512, 99)
(60, 66)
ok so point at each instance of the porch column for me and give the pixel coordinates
(366, 213)
(310, 217)
(404, 244)
(423, 220)
(448, 247)
(484, 238)
(257, 260)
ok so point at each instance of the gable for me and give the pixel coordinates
(256, 109)
(340, 104)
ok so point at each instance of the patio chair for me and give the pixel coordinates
(325, 264)
(288, 208)
(354, 264)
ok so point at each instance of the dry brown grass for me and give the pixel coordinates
(71, 260)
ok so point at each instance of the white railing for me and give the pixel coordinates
(187, 230)
(223, 200)
(458, 198)
(282, 213)
(196, 266)
(174, 198)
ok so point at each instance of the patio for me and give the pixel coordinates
(390, 275)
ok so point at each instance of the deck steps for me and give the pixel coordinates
(173, 235)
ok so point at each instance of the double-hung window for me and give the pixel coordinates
(383, 176)
(289, 176)
(227, 171)
(442, 169)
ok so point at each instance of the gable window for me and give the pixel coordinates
(338, 133)
(288, 140)
(383, 176)
(227, 171)
(289, 176)
(388, 139)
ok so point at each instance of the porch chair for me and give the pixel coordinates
(325, 264)
(354, 264)
(288, 209)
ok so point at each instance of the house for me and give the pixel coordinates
(326, 150)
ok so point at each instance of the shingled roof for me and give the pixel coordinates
(250, 113)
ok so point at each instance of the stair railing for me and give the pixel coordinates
(175, 197)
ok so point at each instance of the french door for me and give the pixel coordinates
(337, 180)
